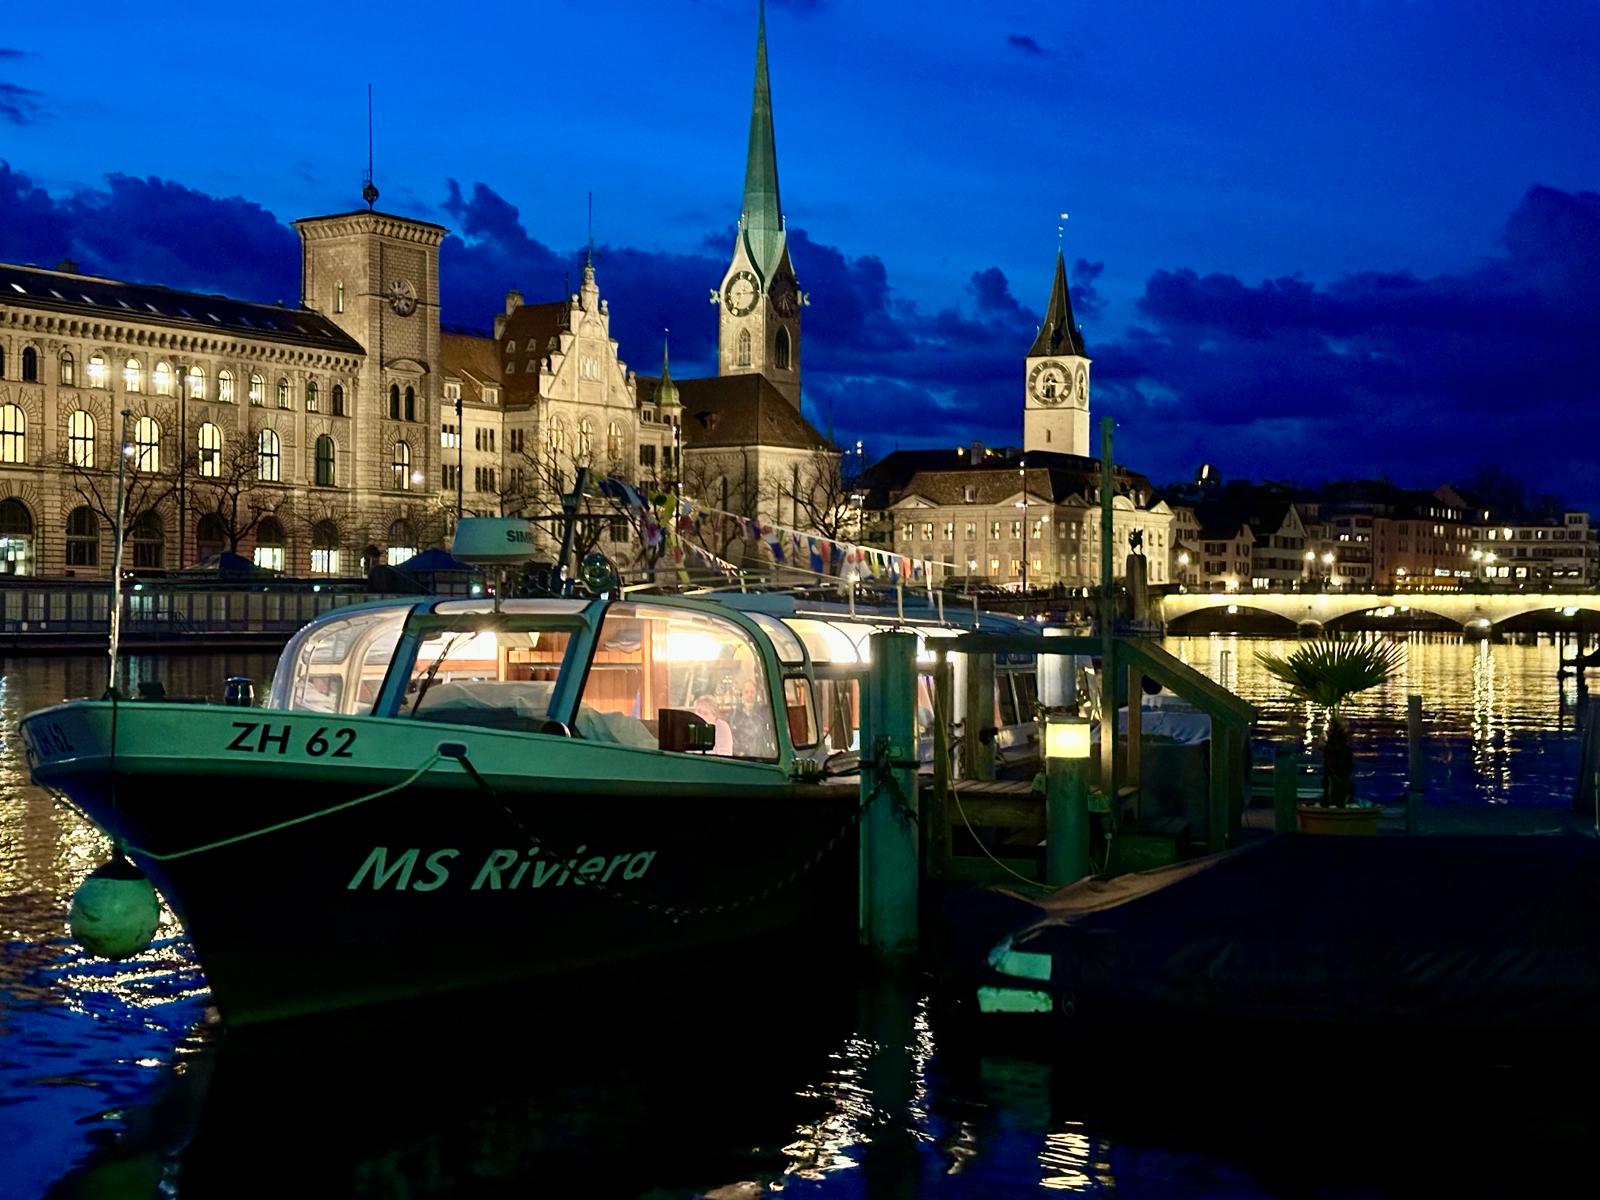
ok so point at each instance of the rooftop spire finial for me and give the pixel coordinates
(666, 390)
(369, 190)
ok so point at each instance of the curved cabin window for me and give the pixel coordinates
(338, 665)
(662, 678)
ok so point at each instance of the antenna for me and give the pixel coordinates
(591, 229)
(369, 191)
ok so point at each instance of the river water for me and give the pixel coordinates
(789, 1077)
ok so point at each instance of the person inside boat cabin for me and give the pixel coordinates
(706, 709)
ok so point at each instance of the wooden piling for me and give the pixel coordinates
(889, 830)
(1066, 817)
(1285, 788)
(1415, 763)
(977, 713)
(936, 811)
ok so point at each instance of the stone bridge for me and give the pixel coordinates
(1474, 611)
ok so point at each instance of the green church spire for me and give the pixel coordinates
(762, 222)
(666, 390)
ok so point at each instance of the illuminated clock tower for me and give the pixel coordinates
(1055, 407)
(758, 331)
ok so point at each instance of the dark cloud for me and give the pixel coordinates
(12, 52)
(18, 105)
(1024, 43)
(801, 6)
(152, 230)
(1421, 377)
(1086, 300)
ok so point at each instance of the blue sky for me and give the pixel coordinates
(1317, 238)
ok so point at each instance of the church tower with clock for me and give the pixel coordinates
(1055, 412)
(758, 330)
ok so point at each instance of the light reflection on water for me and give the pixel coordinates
(1499, 727)
(861, 1091)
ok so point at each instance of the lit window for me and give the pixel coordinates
(325, 548)
(258, 390)
(225, 386)
(402, 541)
(97, 371)
(283, 393)
(269, 545)
(400, 468)
(614, 441)
(311, 395)
(147, 445)
(163, 379)
(267, 456)
(210, 444)
(197, 383)
(133, 376)
(338, 296)
(585, 439)
(80, 439)
(13, 434)
(69, 368)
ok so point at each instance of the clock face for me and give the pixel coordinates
(742, 292)
(785, 297)
(1049, 383)
(402, 297)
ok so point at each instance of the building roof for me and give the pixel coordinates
(1060, 333)
(112, 299)
(737, 410)
(945, 477)
(474, 360)
(532, 328)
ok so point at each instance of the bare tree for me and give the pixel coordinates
(144, 491)
(227, 491)
(826, 496)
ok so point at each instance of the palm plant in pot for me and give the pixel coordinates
(1326, 673)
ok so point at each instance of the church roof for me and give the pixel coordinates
(111, 299)
(738, 410)
(762, 222)
(1060, 333)
(944, 477)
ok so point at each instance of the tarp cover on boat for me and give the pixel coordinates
(1466, 932)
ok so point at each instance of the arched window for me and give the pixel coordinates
(2, 362)
(338, 399)
(225, 386)
(83, 537)
(16, 538)
(149, 540)
(267, 456)
(146, 445)
(741, 357)
(411, 404)
(614, 441)
(13, 434)
(132, 376)
(68, 369)
(97, 371)
(324, 475)
(311, 395)
(780, 350)
(210, 538)
(558, 438)
(394, 401)
(30, 365)
(324, 548)
(369, 559)
(585, 439)
(338, 296)
(283, 393)
(161, 378)
(258, 390)
(80, 439)
(400, 468)
(210, 450)
(269, 544)
(197, 383)
(402, 542)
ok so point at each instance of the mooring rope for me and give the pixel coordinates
(128, 847)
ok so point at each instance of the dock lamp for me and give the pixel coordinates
(1067, 746)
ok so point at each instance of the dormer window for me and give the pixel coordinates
(511, 347)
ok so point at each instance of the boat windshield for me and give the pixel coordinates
(490, 677)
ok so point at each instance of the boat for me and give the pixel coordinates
(440, 794)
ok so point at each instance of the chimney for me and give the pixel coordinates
(977, 451)
(513, 302)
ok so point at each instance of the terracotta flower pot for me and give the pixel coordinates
(1320, 818)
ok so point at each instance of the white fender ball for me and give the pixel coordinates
(115, 911)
